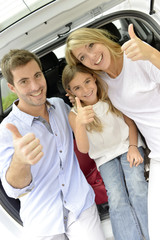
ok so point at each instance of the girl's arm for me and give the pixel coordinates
(78, 123)
(79, 133)
(133, 155)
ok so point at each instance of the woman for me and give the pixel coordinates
(132, 73)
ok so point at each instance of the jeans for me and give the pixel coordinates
(127, 192)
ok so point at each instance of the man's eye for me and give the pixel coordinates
(38, 75)
(23, 82)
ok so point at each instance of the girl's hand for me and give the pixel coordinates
(135, 48)
(85, 114)
(134, 156)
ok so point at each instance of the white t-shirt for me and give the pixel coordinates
(113, 140)
(136, 93)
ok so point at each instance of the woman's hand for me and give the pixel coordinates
(135, 48)
(134, 156)
(71, 97)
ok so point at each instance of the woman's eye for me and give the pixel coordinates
(91, 45)
(88, 81)
(82, 58)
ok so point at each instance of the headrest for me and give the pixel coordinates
(48, 61)
(110, 27)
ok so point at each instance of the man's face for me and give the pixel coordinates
(30, 86)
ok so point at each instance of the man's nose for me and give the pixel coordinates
(35, 84)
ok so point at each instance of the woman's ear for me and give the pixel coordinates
(94, 76)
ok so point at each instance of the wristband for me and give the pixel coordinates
(132, 145)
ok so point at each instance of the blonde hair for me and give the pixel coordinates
(83, 36)
(69, 73)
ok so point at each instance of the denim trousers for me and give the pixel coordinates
(127, 192)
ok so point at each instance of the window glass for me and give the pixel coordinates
(13, 10)
(8, 97)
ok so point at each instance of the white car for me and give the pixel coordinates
(42, 27)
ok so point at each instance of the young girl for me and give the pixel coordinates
(112, 140)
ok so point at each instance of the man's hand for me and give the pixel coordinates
(28, 149)
(135, 48)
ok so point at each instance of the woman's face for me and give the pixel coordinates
(84, 86)
(94, 56)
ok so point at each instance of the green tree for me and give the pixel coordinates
(7, 101)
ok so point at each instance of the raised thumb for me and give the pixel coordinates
(78, 102)
(131, 31)
(14, 130)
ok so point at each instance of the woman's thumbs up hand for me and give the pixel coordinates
(135, 48)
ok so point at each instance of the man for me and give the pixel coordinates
(38, 164)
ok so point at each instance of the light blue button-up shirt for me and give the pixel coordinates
(57, 181)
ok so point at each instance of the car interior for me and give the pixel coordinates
(52, 69)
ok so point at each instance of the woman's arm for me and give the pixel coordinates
(133, 156)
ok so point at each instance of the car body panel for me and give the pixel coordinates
(46, 29)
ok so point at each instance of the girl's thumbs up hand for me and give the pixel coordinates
(85, 114)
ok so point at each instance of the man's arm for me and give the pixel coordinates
(27, 152)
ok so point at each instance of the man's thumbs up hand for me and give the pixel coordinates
(135, 49)
(28, 149)
(14, 131)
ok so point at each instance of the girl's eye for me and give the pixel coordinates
(76, 88)
(91, 45)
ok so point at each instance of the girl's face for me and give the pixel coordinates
(94, 56)
(84, 86)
